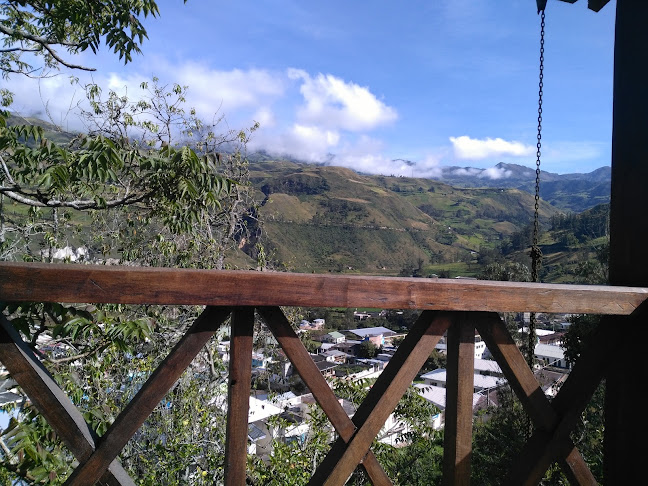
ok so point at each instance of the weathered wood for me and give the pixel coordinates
(319, 387)
(149, 396)
(516, 370)
(594, 5)
(238, 398)
(145, 285)
(522, 381)
(624, 408)
(52, 402)
(382, 398)
(457, 438)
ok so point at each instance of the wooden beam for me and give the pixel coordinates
(319, 387)
(624, 411)
(145, 285)
(382, 398)
(550, 445)
(457, 438)
(594, 5)
(516, 370)
(149, 396)
(52, 402)
(238, 397)
(521, 379)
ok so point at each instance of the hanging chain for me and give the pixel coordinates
(536, 253)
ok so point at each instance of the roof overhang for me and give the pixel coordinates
(595, 5)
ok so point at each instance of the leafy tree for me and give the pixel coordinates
(367, 349)
(508, 271)
(579, 335)
(436, 360)
(130, 192)
(45, 29)
(150, 184)
(595, 271)
(498, 440)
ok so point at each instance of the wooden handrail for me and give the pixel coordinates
(145, 285)
(243, 291)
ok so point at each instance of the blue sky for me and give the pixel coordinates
(439, 83)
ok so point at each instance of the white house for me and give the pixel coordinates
(333, 337)
(436, 395)
(551, 355)
(438, 378)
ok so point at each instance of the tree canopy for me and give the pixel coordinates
(57, 30)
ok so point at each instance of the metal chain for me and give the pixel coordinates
(536, 253)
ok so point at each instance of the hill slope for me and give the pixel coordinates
(321, 218)
(569, 192)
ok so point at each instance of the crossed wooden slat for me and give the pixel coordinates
(97, 457)
(549, 443)
(53, 404)
(554, 420)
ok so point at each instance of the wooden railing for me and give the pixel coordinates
(455, 306)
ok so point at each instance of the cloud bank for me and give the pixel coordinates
(315, 117)
(466, 148)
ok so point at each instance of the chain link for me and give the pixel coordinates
(536, 253)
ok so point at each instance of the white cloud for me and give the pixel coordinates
(235, 89)
(467, 171)
(265, 117)
(496, 173)
(308, 143)
(334, 103)
(476, 149)
(316, 118)
(490, 173)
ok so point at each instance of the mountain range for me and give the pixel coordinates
(573, 192)
(319, 218)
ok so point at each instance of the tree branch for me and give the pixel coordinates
(83, 204)
(45, 44)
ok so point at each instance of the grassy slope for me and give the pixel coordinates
(333, 219)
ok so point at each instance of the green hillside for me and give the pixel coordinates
(321, 218)
(317, 218)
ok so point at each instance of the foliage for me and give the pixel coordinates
(112, 357)
(367, 349)
(144, 199)
(508, 271)
(498, 440)
(436, 360)
(596, 271)
(581, 331)
(519, 240)
(587, 225)
(293, 462)
(419, 463)
(44, 29)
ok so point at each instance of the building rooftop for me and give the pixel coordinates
(436, 395)
(261, 409)
(372, 331)
(480, 381)
(488, 365)
(555, 352)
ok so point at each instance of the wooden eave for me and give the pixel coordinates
(595, 5)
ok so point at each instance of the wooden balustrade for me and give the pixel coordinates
(458, 307)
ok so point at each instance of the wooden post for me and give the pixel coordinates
(457, 444)
(238, 398)
(625, 408)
